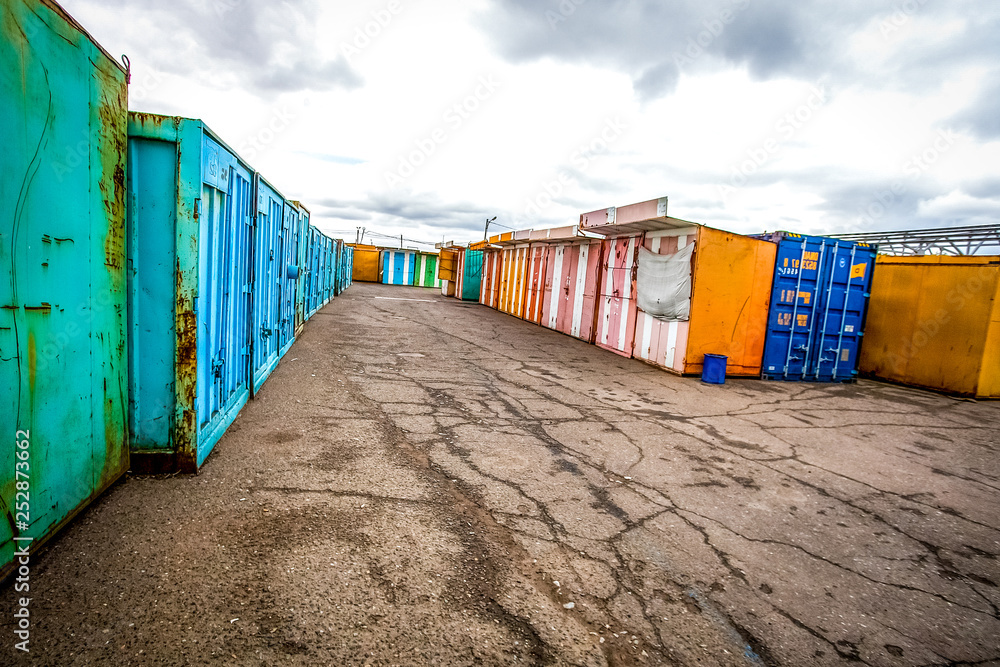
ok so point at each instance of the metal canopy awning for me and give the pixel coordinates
(633, 219)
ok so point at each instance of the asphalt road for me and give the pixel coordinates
(429, 482)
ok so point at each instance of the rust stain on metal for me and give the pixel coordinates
(186, 376)
(113, 146)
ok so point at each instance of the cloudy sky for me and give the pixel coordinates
(425, 117)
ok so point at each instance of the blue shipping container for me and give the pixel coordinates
(397, 266)
(818, 305)
(189, 231)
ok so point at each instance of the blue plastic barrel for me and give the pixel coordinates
(714, 369)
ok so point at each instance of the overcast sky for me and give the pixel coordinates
(425, 117)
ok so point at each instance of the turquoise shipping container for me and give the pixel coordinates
(191, 209)
(63, 334)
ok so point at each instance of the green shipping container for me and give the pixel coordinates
(63, 373)
(425, 271)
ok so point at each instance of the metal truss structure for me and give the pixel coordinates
(972, 240)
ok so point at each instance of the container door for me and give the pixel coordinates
(585, 295)
(224, 294)
(564, 292)
(472, 275)
(817, 309)
(793, 307)
(553, 265)
(617, 306)
(287, 277)
(536, 284)
(270, 214)
(430, 270)
(840, 315)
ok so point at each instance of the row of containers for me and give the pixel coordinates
(396, 266)
(155, 279)
(778, 306)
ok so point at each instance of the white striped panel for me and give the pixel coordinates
(671, 344)
(647, 322)
(581, 283)
(626, 294)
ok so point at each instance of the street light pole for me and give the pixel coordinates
(486, 232)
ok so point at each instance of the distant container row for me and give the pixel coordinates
(396, 266)
(779, 306)
(667, 291)
(155, 279)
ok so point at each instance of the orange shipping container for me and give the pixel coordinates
(366, 263)
(934, 322)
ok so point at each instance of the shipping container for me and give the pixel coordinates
(398, 267)
(63, 303)
(425, 272)
(706, 292)
(570, 293)
(189, 228)
(934, 322)
(367, 264)
(448, 270)
(819, 300)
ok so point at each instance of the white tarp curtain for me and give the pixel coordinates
(663, 284)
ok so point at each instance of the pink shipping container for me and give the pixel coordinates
(626, 228)
(569, 298)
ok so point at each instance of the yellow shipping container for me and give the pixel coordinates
(934, 322)
(366, 263)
